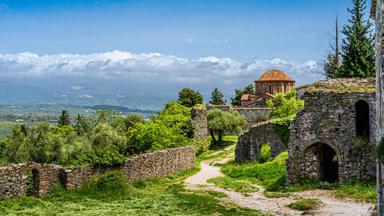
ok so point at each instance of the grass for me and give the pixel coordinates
(304, 204)
(110, 194)
(244, 186)
(271, 175)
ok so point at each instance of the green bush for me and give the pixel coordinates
(305, 204)
(265, 153)
(201, 145)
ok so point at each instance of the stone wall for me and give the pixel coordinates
(329, 121)
(250, 142)
(199, 123)
(13, 178)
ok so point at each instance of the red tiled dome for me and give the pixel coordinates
(274, 75)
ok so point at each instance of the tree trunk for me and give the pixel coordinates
(213, 137)
(220, 136)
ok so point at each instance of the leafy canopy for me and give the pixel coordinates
(236, 101)
(189, 97)
(217, 98)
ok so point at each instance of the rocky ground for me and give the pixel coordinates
(277, 206)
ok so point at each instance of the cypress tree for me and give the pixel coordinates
(358, 45)
(217, 97)
(64, 119)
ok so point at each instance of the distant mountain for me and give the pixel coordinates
(18, 93)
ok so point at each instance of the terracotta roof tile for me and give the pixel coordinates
(275, 75)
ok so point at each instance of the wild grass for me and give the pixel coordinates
(271, 175)
(111, 194)
(304, 204)
(244, 186)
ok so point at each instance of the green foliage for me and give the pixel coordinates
(217, 98)
(236, 101)
(283, 110)
(176, 116)
(201, 145)
(285, 105)
(123, 124)
(283, 129)
(265, 153)
(305, 204)
(221, 122)
(189, 97)
(82, 127)
(108, 147)
(64, 119)
(105, 116)
(266, 173)
(244, 186)
(154, 136)
(358, 45)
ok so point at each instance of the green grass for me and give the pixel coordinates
(305, 204)
(266, 173)
(111, 195)
(271, 175)
(244, 186)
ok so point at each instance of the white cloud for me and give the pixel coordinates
(149, 67)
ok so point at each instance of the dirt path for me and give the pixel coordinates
(330, 205)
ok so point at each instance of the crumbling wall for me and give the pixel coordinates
(249, 146)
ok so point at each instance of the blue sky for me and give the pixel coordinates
(295, 30)
(195, 43)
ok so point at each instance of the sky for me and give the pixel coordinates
(195, 43)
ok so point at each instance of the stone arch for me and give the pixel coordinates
(362, 119)
(33, 182)
(322, 162)
(250, 142)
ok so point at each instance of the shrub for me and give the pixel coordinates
(201, 145)
(305, 204)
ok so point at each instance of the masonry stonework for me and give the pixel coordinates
(199, 123)
(13, 178)
(250, 142)
(324, 136)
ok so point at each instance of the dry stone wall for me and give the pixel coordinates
(13, 178)
(250, 142)
(199, 123)
(328, 125)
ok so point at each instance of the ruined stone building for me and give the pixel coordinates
(268, 85)
(332, 139)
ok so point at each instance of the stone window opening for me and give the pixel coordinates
(270, 89)
(33, 183)
(362, 120)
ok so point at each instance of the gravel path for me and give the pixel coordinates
(330, 205)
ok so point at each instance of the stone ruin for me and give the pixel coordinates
(333, 138)
(251, 141)
(17, 179)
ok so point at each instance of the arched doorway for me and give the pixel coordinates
(362, 119)
(33, 183)
(328, 164)
(322, 161)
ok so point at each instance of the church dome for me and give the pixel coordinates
(275, 75)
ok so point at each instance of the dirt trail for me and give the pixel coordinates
(330, 205)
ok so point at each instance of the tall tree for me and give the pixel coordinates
(64, 119)
(358, 44)
(189, 98)
(81, 126)
(236, 101)
(332, 63)
(217, 98)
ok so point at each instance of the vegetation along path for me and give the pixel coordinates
(328, 203)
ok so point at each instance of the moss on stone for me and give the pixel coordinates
(351, 85)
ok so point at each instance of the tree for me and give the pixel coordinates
(249, 89)
(358, 45)
(217, 98)
(188, 97)
(283, 109)
(82, 126)
(332, 63)
(64, 119)
(220, 122)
